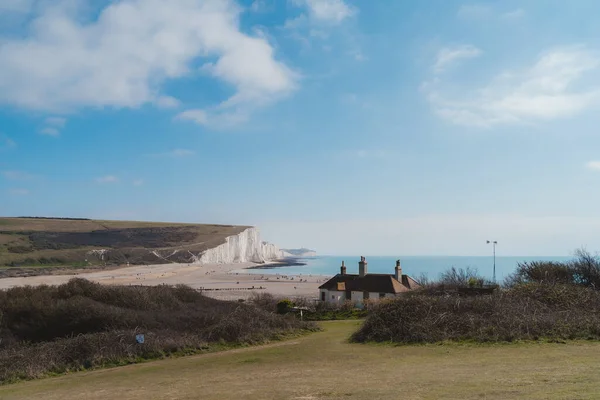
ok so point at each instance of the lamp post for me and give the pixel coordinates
(494, 243)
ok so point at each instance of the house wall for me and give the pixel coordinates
(375, 296)
(357, 297)
(332, 296)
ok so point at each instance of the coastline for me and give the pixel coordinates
(223, 281)
(286, 262)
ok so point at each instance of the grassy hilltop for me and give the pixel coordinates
(39, 242)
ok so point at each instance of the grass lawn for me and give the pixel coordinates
(324, 366)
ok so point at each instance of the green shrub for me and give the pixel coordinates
(284, 305)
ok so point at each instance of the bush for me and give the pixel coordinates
(284, 305)
(541, 272)
(527, 312)
(584, 270)
(82, 324)
(460, 277)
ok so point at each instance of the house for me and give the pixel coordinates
(363, 286)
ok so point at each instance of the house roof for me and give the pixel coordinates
(381, 283)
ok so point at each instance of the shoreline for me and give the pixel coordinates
(286, 262)
(224, 281)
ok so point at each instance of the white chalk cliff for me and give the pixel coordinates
(243, 247)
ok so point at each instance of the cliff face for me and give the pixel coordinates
(243, 247)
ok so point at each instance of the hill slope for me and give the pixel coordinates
(82, 242)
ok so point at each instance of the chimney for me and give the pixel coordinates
(362, 267)
(343, 269)
(398, 272)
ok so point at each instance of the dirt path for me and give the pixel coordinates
(325, 366)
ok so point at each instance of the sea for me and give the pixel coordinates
(415, 266)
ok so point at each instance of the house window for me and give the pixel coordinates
(381, 295)
(322, 296)
(332, 297)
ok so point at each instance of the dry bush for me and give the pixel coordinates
(526, 312)
(584, 270)
(83, 324)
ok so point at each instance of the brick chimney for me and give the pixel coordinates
(343, 269)
(362, 267)
(398, 272)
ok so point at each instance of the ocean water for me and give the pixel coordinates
(415, 266)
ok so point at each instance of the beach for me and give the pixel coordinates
(223, 281)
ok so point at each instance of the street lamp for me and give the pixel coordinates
(494, 243)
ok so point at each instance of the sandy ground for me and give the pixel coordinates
(231, 280)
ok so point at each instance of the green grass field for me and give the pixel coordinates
(325, 366)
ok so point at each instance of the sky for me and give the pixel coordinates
(350, 127)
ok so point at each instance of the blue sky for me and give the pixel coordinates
(352, 127)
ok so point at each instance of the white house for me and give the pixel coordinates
(363, 286)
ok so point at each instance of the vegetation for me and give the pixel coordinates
(452, 280)
(325, 365)
(531, 311)
(35, 242)
(52, 329)
(584, 270)
(312, 311)
(540, 301)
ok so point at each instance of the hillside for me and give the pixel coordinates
(27, 242)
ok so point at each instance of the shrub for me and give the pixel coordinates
(460, 277)
(541, 272)
(82, 324)
(526, 312)
(584, 270)
(284, 305)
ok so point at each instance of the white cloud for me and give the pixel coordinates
(549, 89)
(513, 15)
(450, 55)
(50, 131)
(593, 165)
(53, 126)
(198, 116)
(167, 102)
(17, 175)
(58, 122)
(18, 192)
(138, 182)
(122, 58)
(330, 11)
(107, 179)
